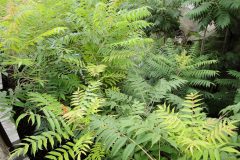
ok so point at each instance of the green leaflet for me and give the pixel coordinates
(128, 150)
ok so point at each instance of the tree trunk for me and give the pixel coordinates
(225, 41)
(203, 40)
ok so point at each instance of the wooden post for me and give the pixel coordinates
(3, 150)
(8, 134)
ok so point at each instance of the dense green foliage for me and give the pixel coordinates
(171, 73)
(220, 12)
(93, 81)
(76, 47)
(164, 15)
(232, 110)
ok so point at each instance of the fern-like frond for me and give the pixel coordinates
(35, 143)
(95, 70)
(48, 33)
(111, 136)
(234, 4)
(201, 82)
(137, 14)
(199, 11)
(66, 152)
(207, 136)
(220, 12)
(97, 152)
(46, 101)
(85, 103)
(72, 150)
(235, 74)
(171, 71)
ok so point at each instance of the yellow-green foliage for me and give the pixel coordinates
(186, 134)
(197, 136)
(64, 129)
(81, 41)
